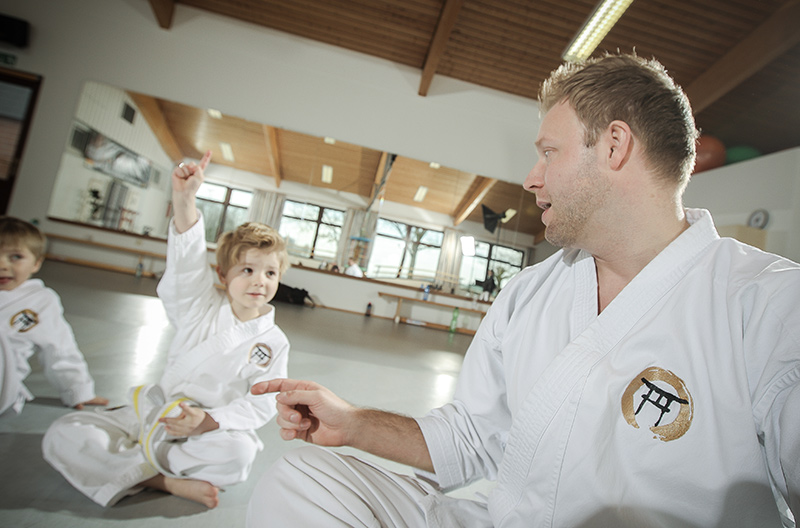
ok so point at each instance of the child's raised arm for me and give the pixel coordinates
(186, 180)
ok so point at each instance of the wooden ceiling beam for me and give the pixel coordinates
(480, 187)
(447, 21)
(163, 9)
(378, 182)
(152, 113)
(768, 41)
(273, 153)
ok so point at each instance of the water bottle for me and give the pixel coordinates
(369, 310)
(454, 320)
(139, 269)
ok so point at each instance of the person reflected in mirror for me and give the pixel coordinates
(194, 431)
(34, 324)
(647, 374)
(488, 286)
(353, 269)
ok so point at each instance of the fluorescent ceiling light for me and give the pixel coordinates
(435, 165)
(330, 141)
(327, 174)
(421, 192)
(595, 29)
(508, 215)
(468, 246)
(216, 114)
(227, 151)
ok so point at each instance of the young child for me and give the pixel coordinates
(195, 431)
(31, 321)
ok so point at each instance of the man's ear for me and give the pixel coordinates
(619, 144)
(220, 274)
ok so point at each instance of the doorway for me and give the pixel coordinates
(18, 93)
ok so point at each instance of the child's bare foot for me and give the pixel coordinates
(195, 490)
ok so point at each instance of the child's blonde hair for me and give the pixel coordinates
(250, 235)
(16, 232)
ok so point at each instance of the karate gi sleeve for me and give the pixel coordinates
(466, 438)
(251, 412)
(63, 363)
(187, 286)
(771, 329)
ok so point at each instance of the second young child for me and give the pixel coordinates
(195, 431)
(33, 323)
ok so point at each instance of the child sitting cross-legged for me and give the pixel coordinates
(195, 430)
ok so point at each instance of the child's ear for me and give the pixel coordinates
(220, 275)
(38, 265)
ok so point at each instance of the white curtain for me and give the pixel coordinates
(267, 208)
(449, 260)
(357, 223)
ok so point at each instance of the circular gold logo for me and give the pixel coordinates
(260, 354)
(664, 395)
(24, 320)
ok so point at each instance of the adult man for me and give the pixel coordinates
(645, 375)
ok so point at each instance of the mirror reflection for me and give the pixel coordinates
(396, 218)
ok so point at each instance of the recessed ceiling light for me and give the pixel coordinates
(330, 141)
(227, 151)
(216, 114)
(327, 173)
(435, 165)
(595, 29)
(421, 192)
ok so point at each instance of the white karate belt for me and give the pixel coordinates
(150, 405)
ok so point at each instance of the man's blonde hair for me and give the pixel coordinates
(251, 235)
(16, 232)
(640, 93)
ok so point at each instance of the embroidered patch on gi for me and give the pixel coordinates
(656, 396)
(24, 320)
(260, 354)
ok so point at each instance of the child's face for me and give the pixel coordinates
(252, 282)
(17, 264)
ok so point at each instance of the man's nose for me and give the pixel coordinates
(535, 178)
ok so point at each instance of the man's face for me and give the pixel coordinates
(567, 182)
(17, 264)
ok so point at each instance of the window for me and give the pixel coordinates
(504, 261)
(311, 231)
(404, 251)
(223, 208)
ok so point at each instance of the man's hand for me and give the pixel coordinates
(97, 400)
(308, 411)
(192, 421)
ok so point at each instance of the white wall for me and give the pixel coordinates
(769, 182)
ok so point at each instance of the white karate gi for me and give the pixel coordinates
(561, 406)
(32, 320)
(213, 361)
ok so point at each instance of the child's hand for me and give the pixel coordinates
(187, 177)
(97, 400)
(191, 422)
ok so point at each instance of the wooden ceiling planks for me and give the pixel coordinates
(511, 46)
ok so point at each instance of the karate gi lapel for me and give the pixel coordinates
(218, 347)
(548, 409)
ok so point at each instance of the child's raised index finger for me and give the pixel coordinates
(206, 159)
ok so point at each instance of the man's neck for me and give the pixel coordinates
(618, 265)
